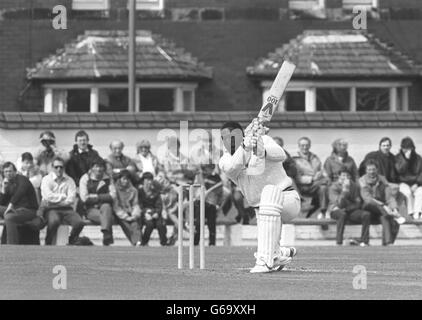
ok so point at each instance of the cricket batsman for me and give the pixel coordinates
(268, 190)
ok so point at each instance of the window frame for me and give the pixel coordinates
(179, 88)
(88, 5)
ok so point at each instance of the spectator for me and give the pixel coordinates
(338, 159)
(384, 159)
(378, 201)
(117, 162)
(145, 160)
(97, 193)
(409, 168)
(17, 200)
(82, 157)
(126, 207)
(176, 165)
(169, 197)
(288, 164)
(213, 199)
(152, 207)
(48, 151)
(25, 166)
(59, 197)
(311, 181)
(345, 204)
(400, 200)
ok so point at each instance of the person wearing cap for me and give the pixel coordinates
(44, 156)
(126, 207)
(117, 161)
(145, 160)
(409, 168)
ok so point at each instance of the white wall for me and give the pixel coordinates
(361, 141)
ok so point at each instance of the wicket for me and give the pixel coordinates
(191, 227)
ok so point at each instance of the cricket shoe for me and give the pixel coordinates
(279, 263)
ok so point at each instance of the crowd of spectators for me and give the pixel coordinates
(54, 187)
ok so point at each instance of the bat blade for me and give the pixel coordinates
(276, 91)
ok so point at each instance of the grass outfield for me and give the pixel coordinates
(151, 273)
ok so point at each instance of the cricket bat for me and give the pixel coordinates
(276, 91)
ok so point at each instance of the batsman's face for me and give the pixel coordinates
(232, 139)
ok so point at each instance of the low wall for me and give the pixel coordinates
(19, 132)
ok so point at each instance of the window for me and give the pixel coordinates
(333, 99)
(156, 100)
(306, 4)
(90, 4)
(156, 5)
(372, 99)
(295, 101)
(78, 100)
(113, 100)
(350, 4)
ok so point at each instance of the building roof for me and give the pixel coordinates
(337, 54)
(103, 55)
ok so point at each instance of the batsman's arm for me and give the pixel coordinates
(273, 151)
(232, 165)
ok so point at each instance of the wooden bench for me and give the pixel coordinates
(232, 231)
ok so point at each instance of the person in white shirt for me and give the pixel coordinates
(58, 192)
(145, 160)
(266, 187)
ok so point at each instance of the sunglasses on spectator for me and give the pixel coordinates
(58, 167)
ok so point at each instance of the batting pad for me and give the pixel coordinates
(269, 224)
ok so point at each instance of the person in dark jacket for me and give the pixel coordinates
(409, 168)
(18, 201)
(345, 206)
(385, 160)
(98, 194)
(289, 164)
(151, 206)
(339, 158)
(81, 157)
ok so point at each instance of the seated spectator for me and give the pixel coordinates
(169, 197)
(18, 202)
(97, 193)
(117, 162)
(152, 207)
(25, 166)
(81, 157)
(378, 201)
(310, 178)
(384, 159)
(345, 206)
(58, 192)
(48, 151)
(289, 164)
(401, 201)
(145, 160)
(176, 165)
(338, 159)
(126, 207)
(210, 178)
(409, 168)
